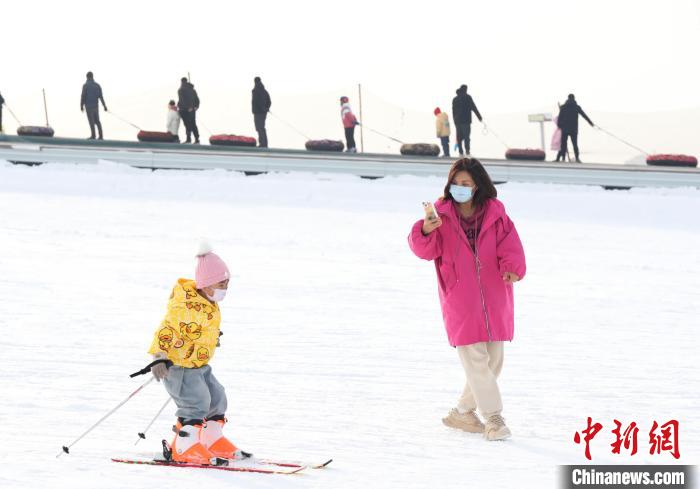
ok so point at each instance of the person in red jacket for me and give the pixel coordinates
(349, 123)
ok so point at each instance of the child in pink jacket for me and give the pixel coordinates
(478, 257)
(349, 123)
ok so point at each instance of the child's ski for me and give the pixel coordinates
(253, 467)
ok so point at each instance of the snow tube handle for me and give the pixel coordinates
(147, 368)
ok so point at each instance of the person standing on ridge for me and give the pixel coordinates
(89, 103)
(187, 105)
(349, 123)
(261, 106)
(462, 107)
(568, 123)
(173, 123)
(442, 128)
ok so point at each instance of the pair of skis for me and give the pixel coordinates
(262, 466)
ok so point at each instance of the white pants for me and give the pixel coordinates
(482, 363)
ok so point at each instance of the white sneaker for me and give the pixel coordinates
(496, 428)
(468, 421)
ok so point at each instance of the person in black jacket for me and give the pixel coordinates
(568, 123)
(261, 106)
(89, 103)
(187, 105)
(2, 102)
(462, 107)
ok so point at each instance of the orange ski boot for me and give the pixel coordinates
(187, 447)
(215, 441)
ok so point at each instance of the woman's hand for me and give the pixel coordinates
(430, 225)
(510, 277)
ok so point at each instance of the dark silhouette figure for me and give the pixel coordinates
(89, 102)
(462, 107)
(2, 102)
(261, 106)
(187, 105)
(568, 123)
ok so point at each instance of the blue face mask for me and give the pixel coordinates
(461, 194)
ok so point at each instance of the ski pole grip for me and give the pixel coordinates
(147, 368)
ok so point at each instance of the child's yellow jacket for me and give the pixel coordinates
(190, 331)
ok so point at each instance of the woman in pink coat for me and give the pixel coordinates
(478, 256)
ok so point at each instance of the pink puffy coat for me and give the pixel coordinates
(477, 304)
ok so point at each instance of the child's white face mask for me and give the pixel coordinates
(218, 295)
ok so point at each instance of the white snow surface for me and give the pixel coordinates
(334, 344)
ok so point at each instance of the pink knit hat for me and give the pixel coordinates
(210, 269)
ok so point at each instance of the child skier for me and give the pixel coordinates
(188, 336)
(349, 123)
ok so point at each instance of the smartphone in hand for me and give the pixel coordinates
(430, 213)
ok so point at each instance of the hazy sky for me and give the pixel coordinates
(516, 56)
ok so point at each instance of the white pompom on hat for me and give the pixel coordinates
(210, 268)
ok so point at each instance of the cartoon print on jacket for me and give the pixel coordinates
(165, 338)
(202, 353)
(190, 291)
(190, 330)
(197, 306)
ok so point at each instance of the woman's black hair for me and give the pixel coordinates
(485, 189)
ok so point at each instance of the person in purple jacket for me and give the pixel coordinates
(478, 257)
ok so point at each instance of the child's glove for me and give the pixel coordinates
(159, 371)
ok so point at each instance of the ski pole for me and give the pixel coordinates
(66, 449)
(124, 120)
(289, 125)
(142, 434)
(621, 140)
(145, 370)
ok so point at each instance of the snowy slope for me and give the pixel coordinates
(333, 342)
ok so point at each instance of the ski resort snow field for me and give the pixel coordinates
(333, 341)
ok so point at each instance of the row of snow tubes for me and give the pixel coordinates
(419, 149)
(653, 160)
(216, 140)
(406, 149)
